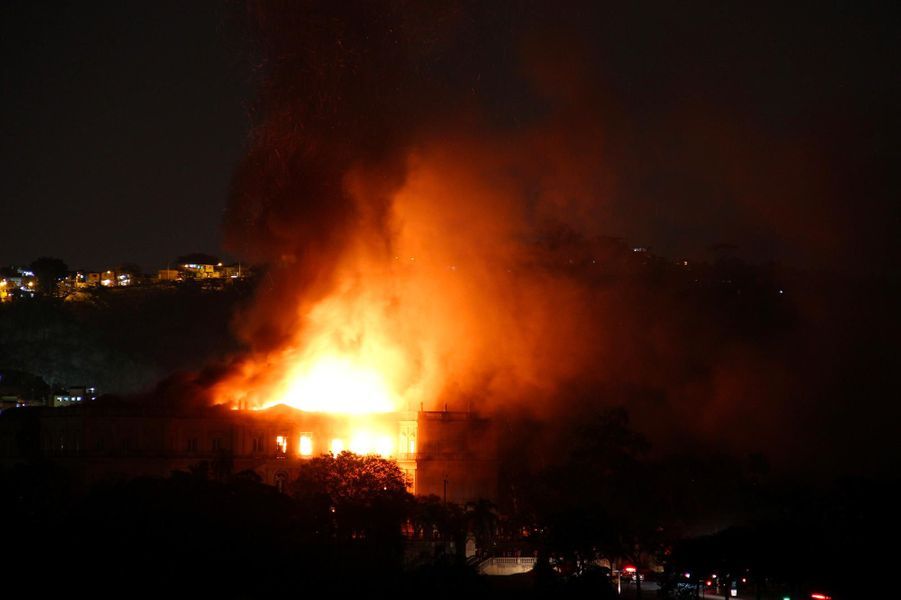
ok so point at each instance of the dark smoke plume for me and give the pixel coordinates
(516, 143)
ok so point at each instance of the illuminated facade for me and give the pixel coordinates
(449, 454)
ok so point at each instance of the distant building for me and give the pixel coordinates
(73, 395)
(16, 282)
(200, 271)
(71, 283)
(191, 271)
(108, 279)
(234, 271)
(169, 275)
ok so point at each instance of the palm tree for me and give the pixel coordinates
(482, 521)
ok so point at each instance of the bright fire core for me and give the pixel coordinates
(415, 308)
(341, 386)
(338, 385)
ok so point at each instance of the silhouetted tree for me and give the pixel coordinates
(247, 476)
(482, 519)
(599, 500)
(49, 271)
(426, 516)
(365, 496)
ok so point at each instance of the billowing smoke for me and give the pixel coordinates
(436, 189)
(382, 185)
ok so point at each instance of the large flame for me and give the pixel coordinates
(344, 362)
(436, 300)
(337, 384)
(347, 362)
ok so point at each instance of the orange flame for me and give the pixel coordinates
(431, 296)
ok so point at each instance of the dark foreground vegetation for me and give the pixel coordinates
(348, 525)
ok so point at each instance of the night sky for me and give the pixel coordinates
(122, 122)
(770, 128)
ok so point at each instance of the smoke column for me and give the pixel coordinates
(436, 190)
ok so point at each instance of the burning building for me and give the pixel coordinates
(420, 251)
(449, 454)
(407, 236)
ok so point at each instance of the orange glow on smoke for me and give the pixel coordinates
(432, 297)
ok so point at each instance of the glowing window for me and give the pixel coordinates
(337, 446)
(281, 444)
(306, 444)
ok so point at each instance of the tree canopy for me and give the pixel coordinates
(359, 497)
(349, 477)
(49, 270)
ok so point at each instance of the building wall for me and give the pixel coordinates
(457, 457)
(452, 453)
